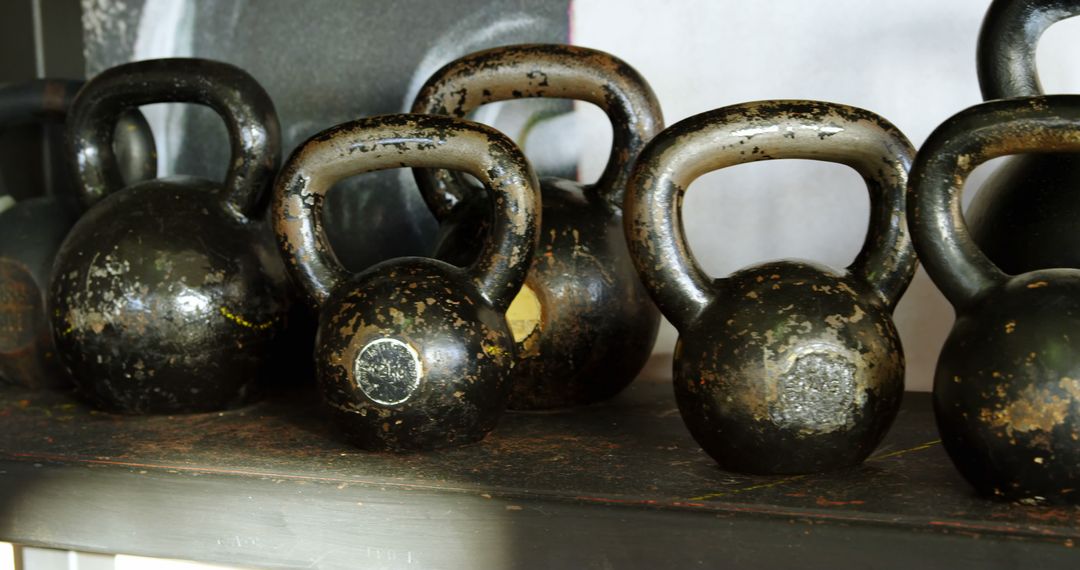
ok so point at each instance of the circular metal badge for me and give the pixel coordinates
(387, 371)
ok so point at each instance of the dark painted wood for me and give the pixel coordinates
(619, 484)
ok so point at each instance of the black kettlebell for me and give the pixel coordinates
(413, 353)
(32, 229)
(167, 294)
(1024, 216)
(1007, 385)
(583, 323)
(787, 366)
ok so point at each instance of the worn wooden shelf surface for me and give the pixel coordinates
(614, 485)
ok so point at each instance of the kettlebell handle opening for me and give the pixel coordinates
(408, 141)
(1008, 41)
(246, 109)
(751, 132)
(986, 131)
(550, 71)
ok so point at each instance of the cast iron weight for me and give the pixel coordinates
(1024, 216)
(583, 323)
(32, 229)
(787, 366)
(167, 295)
(412, 353)
(1007, 385)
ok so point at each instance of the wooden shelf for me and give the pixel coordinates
(620, 484)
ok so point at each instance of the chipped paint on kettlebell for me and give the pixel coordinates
(584, 324)
(412, 353)
(168, 295)
(1006, 397)
(787, 366)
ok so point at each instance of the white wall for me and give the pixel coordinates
(912, 62)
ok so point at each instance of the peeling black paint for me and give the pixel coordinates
(784, 367)
(1007, 385)
(593, 325)
(168, 294)
(442, 375)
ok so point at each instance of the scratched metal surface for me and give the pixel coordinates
(633, 450)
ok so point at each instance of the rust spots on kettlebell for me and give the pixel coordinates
(784, 367)
(413, 353)
(583, 324)
(1006, 397)
(168, 295)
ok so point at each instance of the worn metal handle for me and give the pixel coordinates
(243, 105)
(412, 141)
(543, 70)
(46, 100)
(751, 132)
(983, 132)
(1008, 41)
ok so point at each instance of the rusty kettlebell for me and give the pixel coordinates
(32, 229)
(412, 353)
(1024, 216)
(583, 323)
(787, 366)
(167, 295)
(1007, 385)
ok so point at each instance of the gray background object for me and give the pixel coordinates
(323, 62)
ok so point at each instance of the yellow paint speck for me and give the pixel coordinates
(244, 322)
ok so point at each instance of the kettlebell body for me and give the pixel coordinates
(583, 324)
(443, 332)
(412, 353)
(801, 361)
(167, 295)
(786, 366)
(1024, 215)
(1007, 388)
(32, 230)
(165, 301)
(1007, 384)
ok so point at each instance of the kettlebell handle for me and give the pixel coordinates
(246, 109)
(1007, 44)
(543, 70)
(408, 141)
(755, 131)
(996, 128)
(45, 100)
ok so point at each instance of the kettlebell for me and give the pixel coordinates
(1007, 384)
(583, 324)
(412, 353)
(787, 366)
(32, 229)
(167, 295)
(1024, 216)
